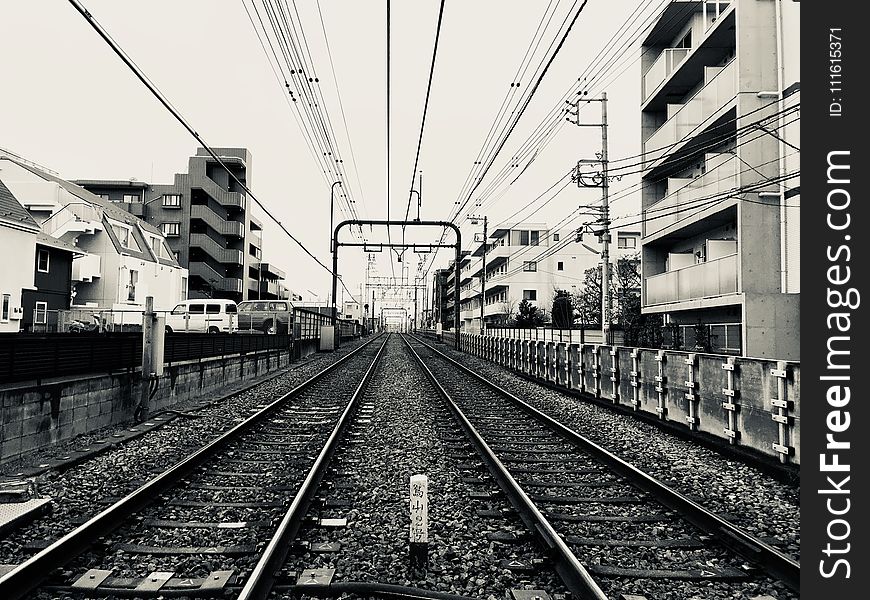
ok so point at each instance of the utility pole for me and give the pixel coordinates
(603, 233)
(474, 220)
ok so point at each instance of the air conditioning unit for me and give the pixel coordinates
(17, 313)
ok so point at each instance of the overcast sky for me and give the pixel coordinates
(71, 105)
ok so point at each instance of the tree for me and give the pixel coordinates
(528, 315)
(507, 309)
(638, 329)
(562, 309)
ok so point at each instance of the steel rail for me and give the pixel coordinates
(574, 575)
(773, 561)
(261, 581)
(28, 575)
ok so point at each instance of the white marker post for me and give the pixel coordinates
(419, 538)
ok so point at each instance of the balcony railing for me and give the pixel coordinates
(81, 212)
(661, 69)
(222, 226)
(712, 278)
(218, 252)
(687, 197)
(683, 119)
(215, 279)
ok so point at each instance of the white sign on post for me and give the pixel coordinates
(419, 509)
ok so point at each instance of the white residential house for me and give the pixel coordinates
(123, 258)
(18, 231)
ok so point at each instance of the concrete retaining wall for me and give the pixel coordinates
(35, 415)
(754, 403)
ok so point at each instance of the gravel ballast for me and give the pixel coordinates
(77, 492)
(739, 492)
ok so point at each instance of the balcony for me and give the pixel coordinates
(684, 197)
(215, 279)
(270, 289)
(661, 69)
(216, 222)
(468, 294)
(712, 278)
(215, 250)
(74, 219)
(720, 87)
(220, 195)
(86, 268)
(467, 315)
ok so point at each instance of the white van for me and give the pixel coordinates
(204, 315)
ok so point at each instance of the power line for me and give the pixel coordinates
(425, 110)
(175, 113)
(522, 109)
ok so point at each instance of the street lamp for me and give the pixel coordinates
(331, 208)
(419, 201)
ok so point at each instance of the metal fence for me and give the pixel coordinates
(25, 356)
(35, 356)
(307, 324)
(546, 334)
(192, 346)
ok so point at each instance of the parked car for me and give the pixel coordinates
(268, 316)
(205, 315)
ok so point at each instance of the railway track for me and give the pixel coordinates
(197, 527)
(310, 496)
(611, 528)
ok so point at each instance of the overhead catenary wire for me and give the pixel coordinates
(302, 110)
(750, 127)
(125, 58)
(425, 111)
(551, 125)
(522, 108)
(553, 122)
(286, 31)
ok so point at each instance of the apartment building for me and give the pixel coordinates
(206, 217)
(720, 247)
(528, 261)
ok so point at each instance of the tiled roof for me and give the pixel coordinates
(11, 209)
(43, 239)
(109, 210)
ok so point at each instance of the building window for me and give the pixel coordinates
(172, 200)
(171, 229)
(104, 197)
(125, 237)
(530, 294)
(530, 265)
(40, 313)
(560, 266)
(42, 260)
(626, 242)
(4, 314)
(685, 41)
(131, 198)
(533, 235)
(555, 237)
(131, 285)
(524, 238)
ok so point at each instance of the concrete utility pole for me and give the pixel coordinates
(474, 221)
(604, 232)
